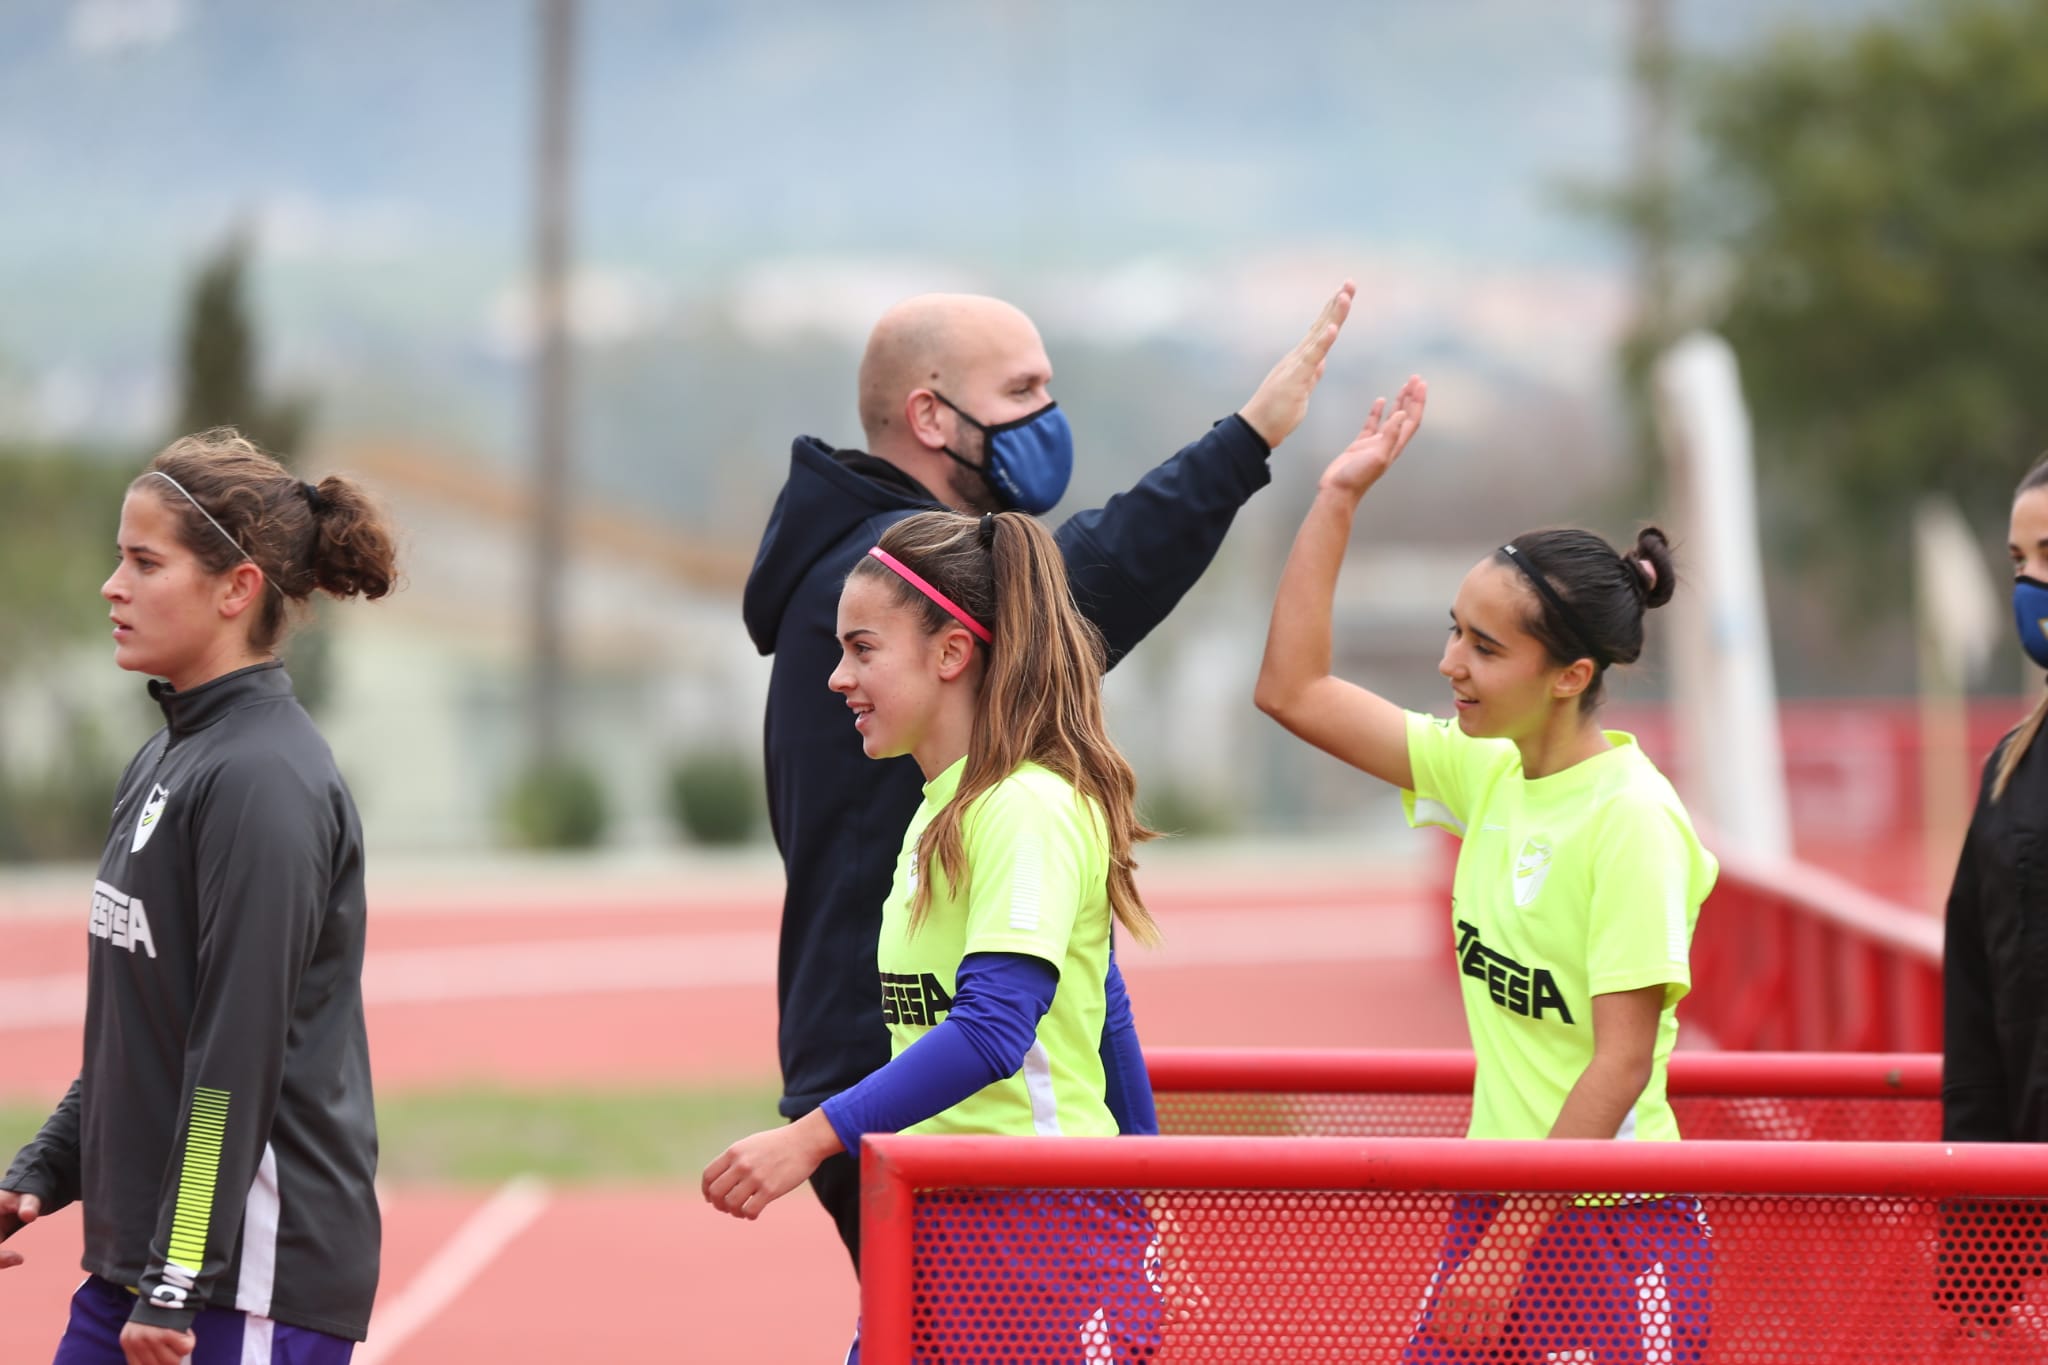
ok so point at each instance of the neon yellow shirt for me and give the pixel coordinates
(1038, 883)
(1583, 883)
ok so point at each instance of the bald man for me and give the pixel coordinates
(956, 403)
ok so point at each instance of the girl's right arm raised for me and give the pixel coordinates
(1295, 684)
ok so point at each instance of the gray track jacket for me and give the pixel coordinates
(220, 1133)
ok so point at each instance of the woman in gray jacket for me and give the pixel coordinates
(220, 1134)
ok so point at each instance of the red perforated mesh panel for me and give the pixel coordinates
(1805, 1119)
(1275, 1275)
(1366, 1115)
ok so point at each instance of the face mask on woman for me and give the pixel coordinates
(2030, 613)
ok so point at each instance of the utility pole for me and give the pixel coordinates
(552, 195)
(1653, 61)
(1724, 691)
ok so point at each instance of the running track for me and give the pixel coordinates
(666, 981)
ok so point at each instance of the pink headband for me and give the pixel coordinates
(951, 607)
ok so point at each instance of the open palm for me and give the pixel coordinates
(1380, 441)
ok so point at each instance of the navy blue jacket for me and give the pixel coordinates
(838, 815)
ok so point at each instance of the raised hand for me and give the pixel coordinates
(1379, 442)
(1282, 400)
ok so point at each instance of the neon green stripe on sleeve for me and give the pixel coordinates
(203, 1139)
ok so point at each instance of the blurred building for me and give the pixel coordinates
(427, 713)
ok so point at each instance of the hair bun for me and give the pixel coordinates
(354, 554)
(1649, 563)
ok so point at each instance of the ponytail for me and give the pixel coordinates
(1041, 692)
(2016, 745)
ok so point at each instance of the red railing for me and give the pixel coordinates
(1802, 1096)
(1787, 956)
(1208, 1070)
(1856, 770)
(1233, 1249)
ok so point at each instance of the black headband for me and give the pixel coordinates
(1565, 615)
(314, 501)
(988, 530)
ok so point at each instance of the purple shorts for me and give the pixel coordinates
(1053, 1276)
(1606, 1285)
(100, 1308)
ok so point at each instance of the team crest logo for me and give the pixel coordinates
(1532, 866)
(152, 814)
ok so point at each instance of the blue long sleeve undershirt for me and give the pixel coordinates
(998, 999)
(1127, 1086)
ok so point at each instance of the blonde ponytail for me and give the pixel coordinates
(2016, 745)
(1041, 693)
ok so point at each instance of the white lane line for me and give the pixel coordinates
(567, 967)
(42, 1001)
(1277, 935)
(463, 1257)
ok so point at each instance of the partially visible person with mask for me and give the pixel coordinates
(1994, 1075)
(1994, 1045)
(956, 403)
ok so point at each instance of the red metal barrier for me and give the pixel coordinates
(1856, 770)
(1233, 1249)
(1787, 956)
(1802, 1096)
(1862, 1075)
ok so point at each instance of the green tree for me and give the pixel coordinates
(1874, 205)
(58, 511)
(714, 796)
(220, 371)
(220, 384)
(57, 521)
(558, 804)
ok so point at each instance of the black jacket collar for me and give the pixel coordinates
(831, 494)
(882, 472)
(188, 712)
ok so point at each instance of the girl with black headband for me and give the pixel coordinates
(220, 1134)
(962, 648)
(1578, 883)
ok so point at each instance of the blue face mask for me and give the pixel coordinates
(1027, 462)
(2030, 610)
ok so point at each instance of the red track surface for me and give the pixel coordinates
(653, 1273)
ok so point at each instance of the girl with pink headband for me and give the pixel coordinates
(961, 647)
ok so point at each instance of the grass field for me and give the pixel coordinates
(486, 1135)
